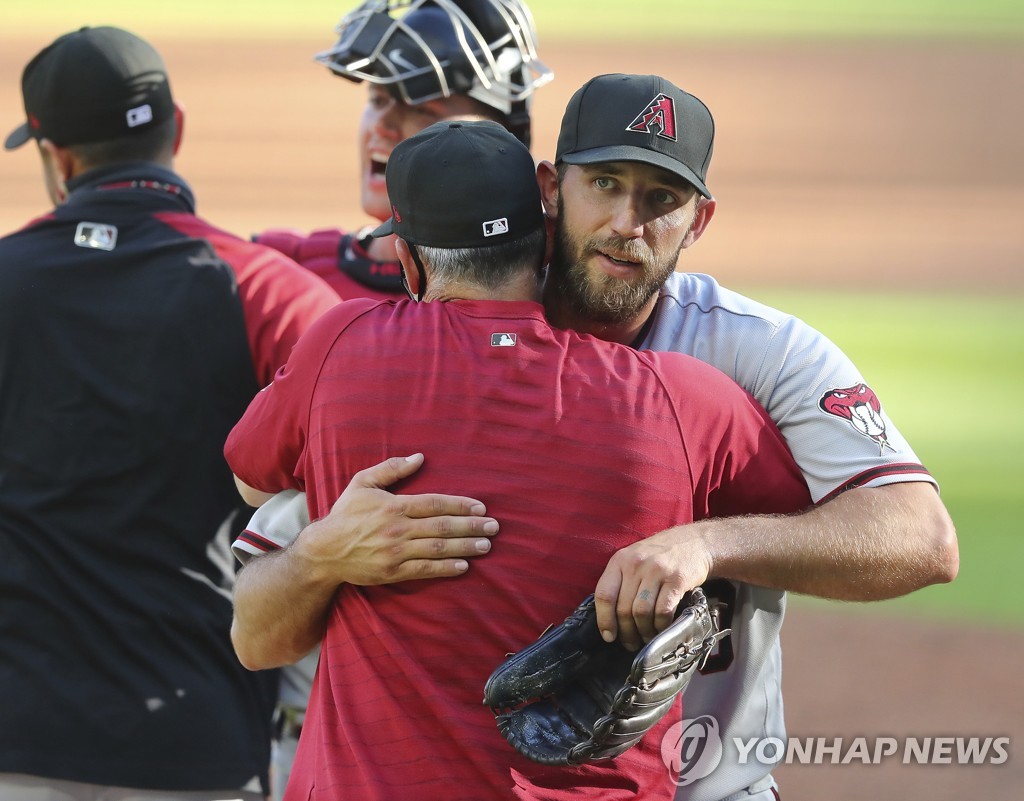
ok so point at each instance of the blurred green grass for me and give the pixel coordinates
(562, 19)
(949, 370)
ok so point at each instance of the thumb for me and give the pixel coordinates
(388, 472)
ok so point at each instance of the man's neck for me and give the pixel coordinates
(625, 333)
(522, 288)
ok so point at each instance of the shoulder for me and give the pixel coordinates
(301, 247)
(700, 298)
(744, 338)
(689, 379)
(340, 318)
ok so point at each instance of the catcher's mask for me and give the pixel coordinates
(424, 50)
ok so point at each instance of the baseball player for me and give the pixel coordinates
(627, 142)
(132, 336)
(423, 61)
(628, 192)
(512, 408)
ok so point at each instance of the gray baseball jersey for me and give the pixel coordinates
(840, 437)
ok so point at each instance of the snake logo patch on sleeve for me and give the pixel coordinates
(858, 405)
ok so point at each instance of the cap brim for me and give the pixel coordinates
(386, 228)
(643, 155)
(18, 137)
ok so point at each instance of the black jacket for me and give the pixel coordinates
(126, 355)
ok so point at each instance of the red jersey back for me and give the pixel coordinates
(577, 446)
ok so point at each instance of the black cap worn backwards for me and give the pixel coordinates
(462, 185)
(93, 85)
(642, 118)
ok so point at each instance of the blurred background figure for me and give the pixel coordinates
(133, 334)
(423, 62)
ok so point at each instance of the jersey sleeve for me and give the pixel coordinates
(274, 526)
(280, 299)
(265, 449)
(834, 423)
(738, 459)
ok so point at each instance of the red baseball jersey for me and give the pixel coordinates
(577, 446)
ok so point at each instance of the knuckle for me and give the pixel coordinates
(395, 506)
(603, 596)
(642, 607)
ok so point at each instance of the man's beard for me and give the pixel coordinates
(603, 298)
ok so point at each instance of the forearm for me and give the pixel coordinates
(370, 537)
(282, 601)
(867, 544)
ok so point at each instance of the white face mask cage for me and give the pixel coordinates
(425, 50)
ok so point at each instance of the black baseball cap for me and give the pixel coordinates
(643, 118)
(93, 85)
(462, 185)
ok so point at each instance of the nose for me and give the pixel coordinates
(388, 120)
(626, 220)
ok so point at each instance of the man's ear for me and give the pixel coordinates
(412, 275)
(702, 218)
(179, 121)
(59, 166)
(547, 180)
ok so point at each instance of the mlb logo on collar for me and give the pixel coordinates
(96, 235)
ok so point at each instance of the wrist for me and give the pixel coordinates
(311, 556)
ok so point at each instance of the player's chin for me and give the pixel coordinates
(375, 202)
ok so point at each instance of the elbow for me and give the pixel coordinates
(250, 656)
(260, 652)
(941, 550)
(945, 552)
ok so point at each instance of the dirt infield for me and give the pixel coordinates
(870, 167)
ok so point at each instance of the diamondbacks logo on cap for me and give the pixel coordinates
(96, 235)
(139, 116)
(658, 117)
(496, 227)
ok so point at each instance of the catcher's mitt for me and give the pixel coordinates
(570, 697)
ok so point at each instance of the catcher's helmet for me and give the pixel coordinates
(429, 49)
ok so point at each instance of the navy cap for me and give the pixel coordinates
(93, 85)
(462, 185)
(642, 118)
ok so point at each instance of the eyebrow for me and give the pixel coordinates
(615, 168)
